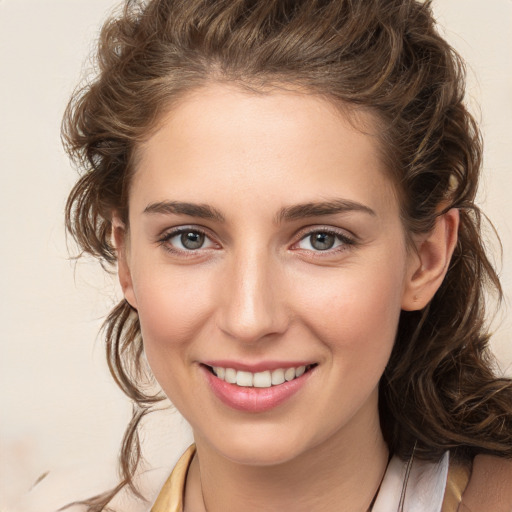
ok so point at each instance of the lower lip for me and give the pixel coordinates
(254, 399)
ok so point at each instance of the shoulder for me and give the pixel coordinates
(490, 485)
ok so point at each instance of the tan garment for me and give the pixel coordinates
(456, 483)
(170, 498)
(490, 486)
(483, 480)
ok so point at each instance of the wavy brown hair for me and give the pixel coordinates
(439, 390)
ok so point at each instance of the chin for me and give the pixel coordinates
(259, 447)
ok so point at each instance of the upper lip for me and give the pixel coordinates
(256, 366)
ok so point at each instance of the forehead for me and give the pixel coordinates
(287, 145)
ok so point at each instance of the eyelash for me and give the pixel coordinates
(346, 241)
(164, 240)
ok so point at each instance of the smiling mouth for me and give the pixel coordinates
(264, 379)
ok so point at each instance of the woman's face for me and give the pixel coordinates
(264, 236)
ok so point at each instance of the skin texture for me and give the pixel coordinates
(489, 488)
(259, 291)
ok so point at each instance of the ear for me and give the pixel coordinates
(120, 236)
(430, 261)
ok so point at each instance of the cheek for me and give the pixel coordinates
(173, 305)
(355, 310)
(355, 317)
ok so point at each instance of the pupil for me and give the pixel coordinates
(192, 240)
(322, 241)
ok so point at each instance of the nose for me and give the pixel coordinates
(252, 304)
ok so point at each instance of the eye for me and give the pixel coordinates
(191, 240)
(186, 240)
(324, 240)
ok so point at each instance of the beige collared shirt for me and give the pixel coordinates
(449, 480)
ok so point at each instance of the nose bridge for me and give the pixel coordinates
(252, 305)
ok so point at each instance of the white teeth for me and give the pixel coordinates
(289, 374)
(277, 377)
(300, 371)
(230, 376)
(220, 372)
(244, 379)
(263, 379)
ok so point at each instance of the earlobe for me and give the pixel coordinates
(120, 238)
(430, 262)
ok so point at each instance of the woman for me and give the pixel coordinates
(288, 191)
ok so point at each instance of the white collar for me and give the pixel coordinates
(425, 486)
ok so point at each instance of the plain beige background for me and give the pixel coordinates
(60, 412)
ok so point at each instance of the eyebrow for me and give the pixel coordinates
(335, 206)
(202, 211)
(288, 213)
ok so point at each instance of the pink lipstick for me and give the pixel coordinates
(270, 386)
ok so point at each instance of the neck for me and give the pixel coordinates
(342, 474)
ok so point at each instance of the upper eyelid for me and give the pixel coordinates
(307, 231)
(171, 232)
